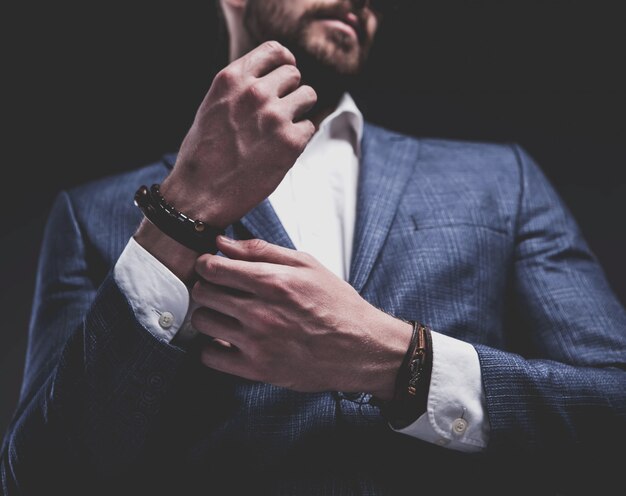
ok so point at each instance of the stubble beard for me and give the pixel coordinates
(330, 64)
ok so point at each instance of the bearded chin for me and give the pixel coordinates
(330, 66)
(329, 80)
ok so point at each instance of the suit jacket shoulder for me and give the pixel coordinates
(105, 210)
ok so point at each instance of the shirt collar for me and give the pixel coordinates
(347, 111)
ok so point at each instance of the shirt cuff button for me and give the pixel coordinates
(459, 426)
(166, 320)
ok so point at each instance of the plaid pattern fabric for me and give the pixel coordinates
(469, 238)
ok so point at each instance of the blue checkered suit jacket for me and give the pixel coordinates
(467, 237)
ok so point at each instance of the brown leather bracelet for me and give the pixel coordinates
(194, 234)
(412, 382)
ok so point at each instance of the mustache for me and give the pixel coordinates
(340, 11)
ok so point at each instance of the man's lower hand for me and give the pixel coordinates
(293, 323)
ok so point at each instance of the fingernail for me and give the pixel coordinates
(226, 239)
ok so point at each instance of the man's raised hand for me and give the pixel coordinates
(247, 133)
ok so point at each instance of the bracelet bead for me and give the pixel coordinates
(192, 233)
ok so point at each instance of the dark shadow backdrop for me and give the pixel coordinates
(96, 88)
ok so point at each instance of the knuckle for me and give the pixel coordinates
(275, 48)
(257, 245)
(265, 321)
(273, 118)
(307, 258)
(292, 71)
(309, 93)
(257, 94)
(280, 285)
(196, 291)
(212, 268)
(198, 319)
(225, 78)
(201, 262)
(294, 143)
(271, 46)
(308, 130)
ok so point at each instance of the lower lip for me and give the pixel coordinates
(341, 26)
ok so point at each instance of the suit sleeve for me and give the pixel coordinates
(94, 377)
(565, 400)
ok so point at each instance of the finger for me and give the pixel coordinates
(265, 58)
(225, 359)
(280, 81)
(258, 250)
(305, 128)
(217, 325)
(228, 301)
(239, 275)
(299, 102)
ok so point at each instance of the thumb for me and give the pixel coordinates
(258, 250)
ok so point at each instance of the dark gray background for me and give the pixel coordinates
(96, 88)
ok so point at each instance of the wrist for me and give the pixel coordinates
(200, 205)
(179, 259)
(395, 335)
(192, 233)
(410, 397)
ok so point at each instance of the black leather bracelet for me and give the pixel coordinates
(193, 234)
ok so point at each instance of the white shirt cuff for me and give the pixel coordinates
(456, 415)
(159, 299)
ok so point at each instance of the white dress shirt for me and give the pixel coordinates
(316, 203)
(316, 200)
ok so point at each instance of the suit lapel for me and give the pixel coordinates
(263, 223)
(387, 163)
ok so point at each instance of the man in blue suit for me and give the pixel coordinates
(384, 315)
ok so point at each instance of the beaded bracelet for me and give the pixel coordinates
(193, 234)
